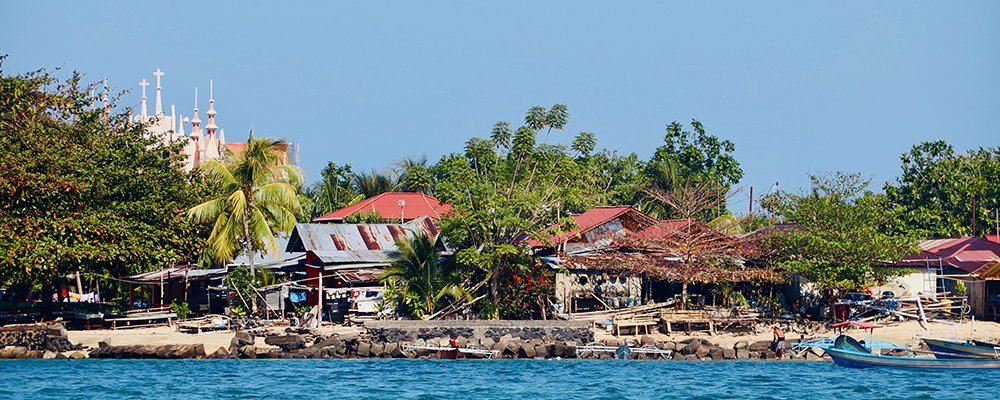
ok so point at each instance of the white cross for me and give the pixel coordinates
(143, 84)
(158, 74)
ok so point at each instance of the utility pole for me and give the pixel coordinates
(319, 304)
(973, 215)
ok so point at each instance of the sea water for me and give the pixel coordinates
(478, 379)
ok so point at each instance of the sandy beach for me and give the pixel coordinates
(905, 333)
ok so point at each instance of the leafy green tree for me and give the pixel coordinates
(692, 157)
(419, 279)
(82, 190)
(841, 236)
(937, 186)
(584, 143)
(257, 199)
(414, 175)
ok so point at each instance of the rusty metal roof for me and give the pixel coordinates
(350, 243)
(276, 260)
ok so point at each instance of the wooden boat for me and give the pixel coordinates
(621, 352)
(451, 353)
(948, 349)
(847, 353)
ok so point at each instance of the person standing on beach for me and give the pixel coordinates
(779, 342)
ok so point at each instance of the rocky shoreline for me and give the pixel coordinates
(392, 339)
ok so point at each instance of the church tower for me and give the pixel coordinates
(212, 150)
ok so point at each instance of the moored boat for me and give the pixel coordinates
(947, 349)
(846, 353)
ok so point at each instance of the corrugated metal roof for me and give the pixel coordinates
(352, 243)
(966, 253)
(273, 260)
(588, 221)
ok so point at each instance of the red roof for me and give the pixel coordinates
(993, 238)
(587, 221)
(967, 253)
(387, 206)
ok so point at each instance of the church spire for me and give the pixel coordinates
(211, 127)
(159, 102)
(143, 84)
(173, 123)
(195, 121)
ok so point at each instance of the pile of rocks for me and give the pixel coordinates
(46, 340)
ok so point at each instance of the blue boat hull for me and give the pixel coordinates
(854, 359)
(953, 349)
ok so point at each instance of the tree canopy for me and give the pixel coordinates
(257, 198)
(81, 189)
(936, 188)
(839, 235)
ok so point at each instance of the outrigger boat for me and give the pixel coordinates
(847, 352)
(869, 342)
(451, 352)
(621, 352)
(945, 348)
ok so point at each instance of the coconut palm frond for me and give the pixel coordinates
(218, 172)
(258, 191)
(206, 211)
(261, 234)
(278, 194)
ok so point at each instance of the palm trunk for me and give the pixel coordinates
(253, 272)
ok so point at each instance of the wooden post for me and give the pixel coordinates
(79, 285)
(187, 285)
(319, 304)
(161, 289)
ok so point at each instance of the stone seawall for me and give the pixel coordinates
(33, 340)
(547, 331)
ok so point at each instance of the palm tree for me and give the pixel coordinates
(258, 196)
(418, 272)
(371, 184)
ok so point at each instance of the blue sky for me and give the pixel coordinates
(800, 87)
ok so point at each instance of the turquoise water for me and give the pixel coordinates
(487, 379)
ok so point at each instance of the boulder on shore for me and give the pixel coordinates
(286, 342)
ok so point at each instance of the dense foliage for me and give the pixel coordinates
(840, 233)
(83, 190)
(257, 198)
(419, 280)
(937, 187)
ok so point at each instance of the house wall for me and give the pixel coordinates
(976, 292)
(617, 290)
(916, 282)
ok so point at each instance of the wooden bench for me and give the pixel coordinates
(149, 319)
(636, 324)
(690, 320)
